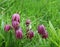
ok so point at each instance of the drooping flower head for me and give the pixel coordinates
(16, 17)
(30, 34)
(28, 22)
(15, 24)
(19, 33)
(41, 29)
(45, 35)
(7, 27)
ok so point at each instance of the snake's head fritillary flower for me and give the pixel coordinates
(28, 22)
(19, 33)
(45, 35)
(16, 17)
(7, 27)
(41, 29)
(30, 34)
(15, 24)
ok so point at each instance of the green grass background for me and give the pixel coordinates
(45, 12)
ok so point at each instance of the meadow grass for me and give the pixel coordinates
(45, 12)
